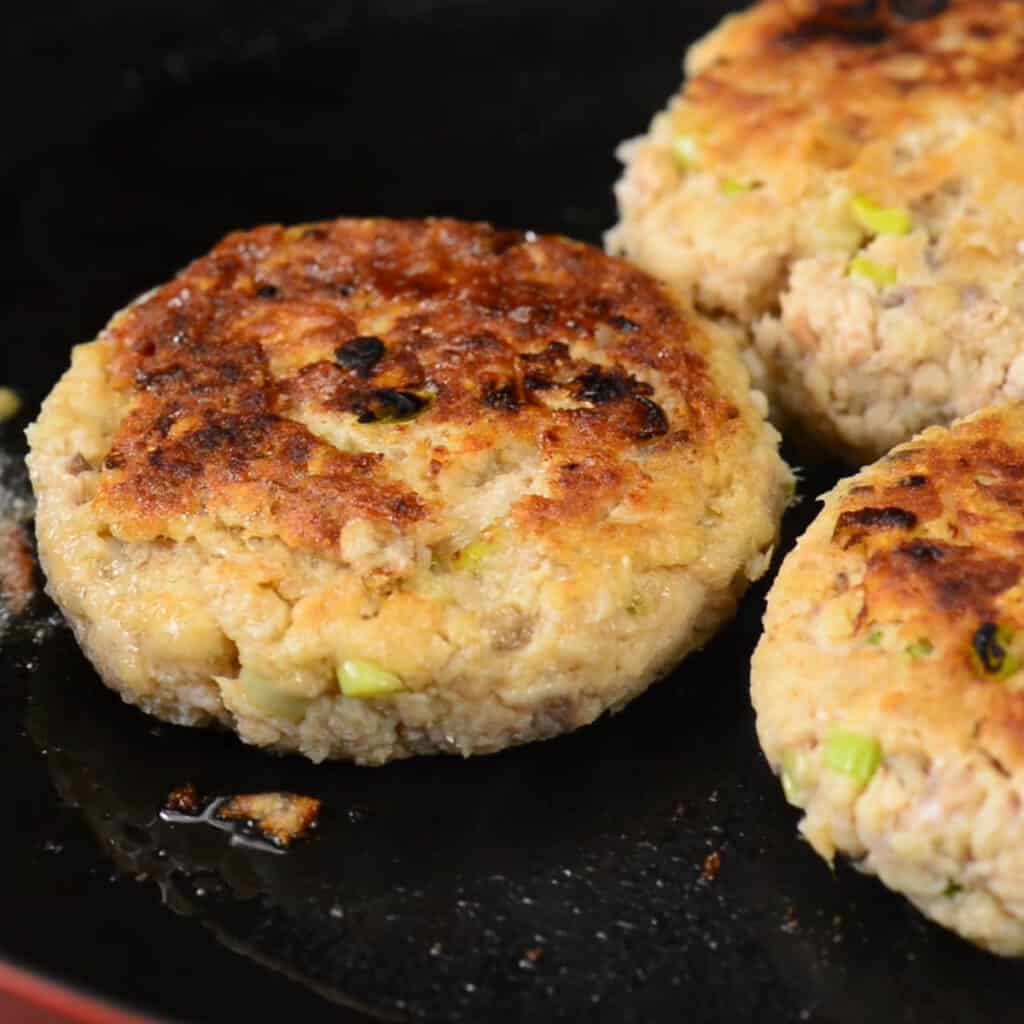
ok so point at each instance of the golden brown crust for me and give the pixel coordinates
(377, 321)
(814, 83)
(939, 529)
(889, 683)
(372, 489)
(839, 185)
(915, 574)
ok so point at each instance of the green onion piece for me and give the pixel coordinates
(952, 889)
(472, 557)
(266, 697)
(795, 766)
(852, 754)
(920, 648)
(366, 679)
(875, 637)
(991, 657)
(881, 220)
(686, 152)
(733, 187)
(881, 274)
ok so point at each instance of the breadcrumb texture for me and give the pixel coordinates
(497, 483)
(899, 618)
(791, 111)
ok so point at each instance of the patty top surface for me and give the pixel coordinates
(295, 381)
(907, 597)
(806, 85)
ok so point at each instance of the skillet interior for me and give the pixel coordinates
(139, 138)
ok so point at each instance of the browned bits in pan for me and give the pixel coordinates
(711, 866)
(281, 818)
(183, 800)
(17, 568)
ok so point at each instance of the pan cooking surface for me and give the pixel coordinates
(644, 869)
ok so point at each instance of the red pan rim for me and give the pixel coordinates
(74, 1006)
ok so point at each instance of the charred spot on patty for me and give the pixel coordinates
(173, 467)
(537, 382)
(838, 14)
(622, 323)
(974, 585)
(388, 405)
(860, 31)
(988, 648)
(165, 420)
(857, 21)
(598, 385)
(502, 397)
(156, 379)
(953, 579)
(211, 437)
(550, 362)
(921, 551)
(889, 518)
(856, 524)
(913, 482)
(652, 421)
(917, 10)
(360, 355)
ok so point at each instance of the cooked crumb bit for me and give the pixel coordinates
(532, 957)
(183, 800)
(17, 568)
(10, 403)
(711, 867)
(280, 817)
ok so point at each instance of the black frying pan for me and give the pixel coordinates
(570, 880)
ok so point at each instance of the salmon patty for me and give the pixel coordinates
(889, 686)
(369, 488)
(842, 186)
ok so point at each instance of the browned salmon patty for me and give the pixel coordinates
(371, 488)
(889, 684)
(842, 186)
